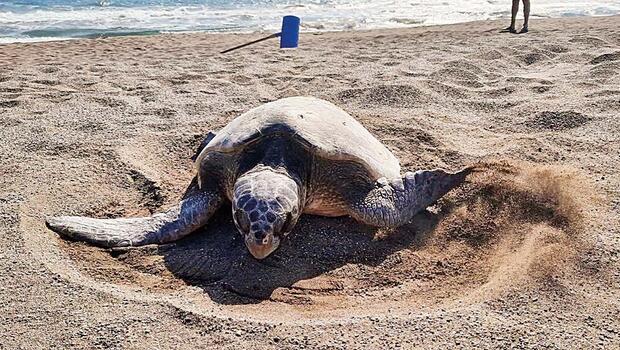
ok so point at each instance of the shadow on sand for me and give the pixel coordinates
(217, 260)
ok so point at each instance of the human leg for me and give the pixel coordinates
(526, 15)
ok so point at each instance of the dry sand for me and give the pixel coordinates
(525, 255)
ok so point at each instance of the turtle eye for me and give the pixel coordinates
(288, 224)
(242, 221)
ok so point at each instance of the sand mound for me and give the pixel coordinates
(513, 225)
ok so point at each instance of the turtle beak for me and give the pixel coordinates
(260, 249)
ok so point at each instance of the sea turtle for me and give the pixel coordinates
(291, 156)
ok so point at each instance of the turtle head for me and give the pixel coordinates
(266, 205)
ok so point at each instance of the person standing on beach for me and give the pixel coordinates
(526, 15)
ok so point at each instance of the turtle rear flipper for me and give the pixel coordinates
(392, 205)
(190, 214)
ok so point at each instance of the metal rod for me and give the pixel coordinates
(252, 42)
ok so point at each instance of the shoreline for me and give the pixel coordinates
(162, 32)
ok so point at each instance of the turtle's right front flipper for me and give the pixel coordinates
(190, 214)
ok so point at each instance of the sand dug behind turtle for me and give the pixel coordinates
(514, 225)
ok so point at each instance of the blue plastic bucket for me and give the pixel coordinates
(289, 38)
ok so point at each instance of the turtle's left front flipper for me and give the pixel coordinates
(394, 204)
(190, 214)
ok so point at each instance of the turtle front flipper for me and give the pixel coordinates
(190, 214)
(394, 204)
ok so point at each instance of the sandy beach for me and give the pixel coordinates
(525, 255)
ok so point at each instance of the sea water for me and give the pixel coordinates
(38, 20)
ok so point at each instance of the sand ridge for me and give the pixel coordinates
(524, 255)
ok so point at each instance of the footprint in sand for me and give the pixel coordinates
(11, 89)
(46, 82)
(110, 102)
(533, 58)
(9, 104)
(49, 69)
(391, 95)
(554, 121)
(608, 57)
(540, 89)
(556, 48)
